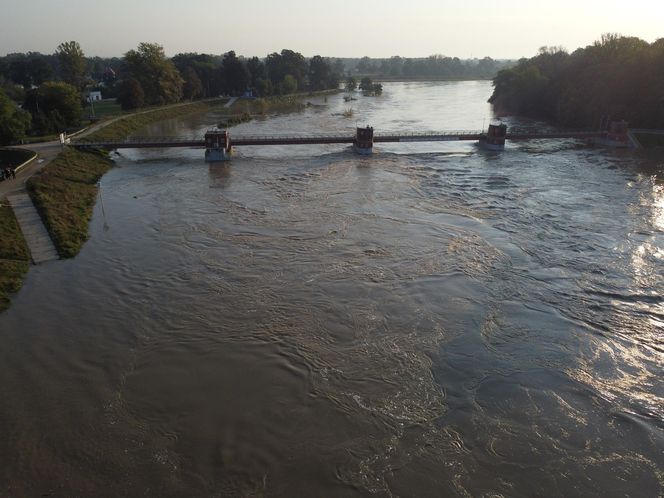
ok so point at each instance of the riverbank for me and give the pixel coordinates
(652, 140)
(65, 190)
(14, 255)
(126, 125)
(64, 193)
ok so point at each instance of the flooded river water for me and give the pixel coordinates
(434, 320)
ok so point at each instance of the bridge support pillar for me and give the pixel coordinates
(494, 138)
(364, 141)
(217, 146)
(617, 135)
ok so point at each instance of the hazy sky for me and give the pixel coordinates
(377, 28)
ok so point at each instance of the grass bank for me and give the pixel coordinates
(650, 140)
(64, 193)
(131, 123)
(14, 256)
(15, 157)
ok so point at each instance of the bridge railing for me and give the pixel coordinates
(292, 136)
(446, 133)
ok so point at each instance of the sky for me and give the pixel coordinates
(501, 29)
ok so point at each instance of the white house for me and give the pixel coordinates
(94, 96)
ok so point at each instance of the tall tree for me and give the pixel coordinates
(157, 75)
(287, 62)
(256, 70)
(320, 73)
(130, 94)
(207, 68)
(72, 64)
(54, 106)
(235, 74)
(617, 76)
(193, 87)
(14, 122)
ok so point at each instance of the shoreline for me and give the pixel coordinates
(63, 185)
(64, 196)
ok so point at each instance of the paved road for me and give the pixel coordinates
(46, 152)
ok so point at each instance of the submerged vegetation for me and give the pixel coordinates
(246, 110)
(617, 77)
(64, 193)
(14, 255)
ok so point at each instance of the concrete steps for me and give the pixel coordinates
(35, 233)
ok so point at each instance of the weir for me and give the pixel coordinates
(218, 144)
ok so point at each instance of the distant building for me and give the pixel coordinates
(109, 76)
(94, 96)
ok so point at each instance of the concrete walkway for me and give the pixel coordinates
(35, 233)
(231, 101)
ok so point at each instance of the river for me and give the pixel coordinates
(434, 320)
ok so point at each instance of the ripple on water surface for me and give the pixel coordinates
(430, 321)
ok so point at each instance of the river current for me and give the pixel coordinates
(435, 320)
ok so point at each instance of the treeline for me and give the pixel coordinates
(616, 77)
(432, 67)
(44, 94)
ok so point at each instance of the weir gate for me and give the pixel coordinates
(219, 145)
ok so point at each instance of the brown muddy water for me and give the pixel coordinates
(431, 321)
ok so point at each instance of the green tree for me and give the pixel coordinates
(256, 70)
(351, 84)
(264, 87)
(366, 84)
(193, 87)
(289, 84)
(130, 94)
(617, 76)
(365, 65)
(207, 68)
(54, 106)
(320, 73)
(158, 76)
(72, 64)
(14, 122)
(287, 62)
(235, 74)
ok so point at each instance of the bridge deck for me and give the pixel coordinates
(152, 142)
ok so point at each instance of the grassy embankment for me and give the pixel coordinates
(650, 140)
(101, 109)
(65, 191)
(131, 123)
(14, 256)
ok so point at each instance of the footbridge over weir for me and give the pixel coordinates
(218, 144)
